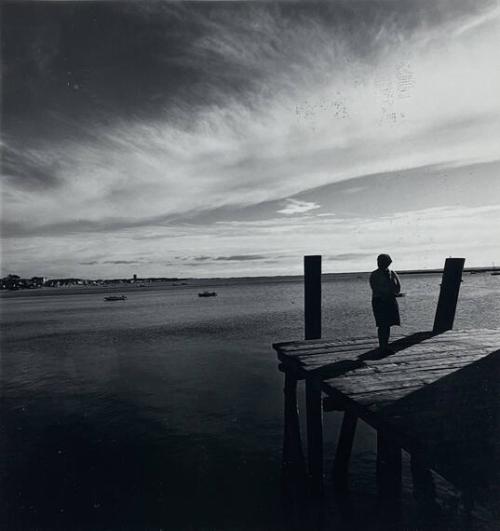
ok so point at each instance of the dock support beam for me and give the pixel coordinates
(424, 490)
(448, 296)
(343, 453)
(312, 296)
(388, 468)
(293, 464)
(314, 434)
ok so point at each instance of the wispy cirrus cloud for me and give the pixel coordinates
(294, 206)
(240, 107)
(240, 258)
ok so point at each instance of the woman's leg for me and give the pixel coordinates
(384, 333)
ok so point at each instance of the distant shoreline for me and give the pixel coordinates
(189, 283)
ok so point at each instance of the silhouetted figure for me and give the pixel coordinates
(385, 287)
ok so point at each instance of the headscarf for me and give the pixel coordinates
(384, 260)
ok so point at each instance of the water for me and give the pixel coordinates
(165, 411)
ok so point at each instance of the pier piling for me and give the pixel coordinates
(448, 295)
(312, 296)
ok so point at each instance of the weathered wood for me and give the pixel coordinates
(344, 449)
(323, 344)
(448, 295)
(338, 352)
(314, 434)
(293, 464)
(388, 467)
(289, 347)
(438, 398)
(423, 483)
(312, 297)
(424, 363)
(300, 343)
(459, 354)
(331, 404)
(450, 335)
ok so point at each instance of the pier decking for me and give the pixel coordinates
(436, 396)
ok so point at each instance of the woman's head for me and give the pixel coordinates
(384, 260)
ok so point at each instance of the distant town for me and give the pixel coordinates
(15, 282)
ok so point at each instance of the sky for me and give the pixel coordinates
(218, 139)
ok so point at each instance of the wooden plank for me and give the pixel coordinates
(351, 388)
(322, 359)
(385, 397)
(426, 364)
(380, 365)
(329, 352)
(459, 357)
(357, 378)
(428, 354)
(430, 347)
(327, 347)
(288, 347)
(338, 368)
(400, 408)
(301, 343)
(489, 334)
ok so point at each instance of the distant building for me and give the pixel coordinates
(135, 277)
(11, 282)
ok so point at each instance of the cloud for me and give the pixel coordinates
(124, 262)
(240, 258)
(245, 112)
(416, 239)
(318, 106)
(233, 258)
(297, 207)
(346, 256)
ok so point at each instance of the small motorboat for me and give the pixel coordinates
(207, 294)
(115, 298)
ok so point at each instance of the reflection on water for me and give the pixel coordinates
(165, 410)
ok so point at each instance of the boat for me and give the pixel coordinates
(207, 294)
(115, 298)
(495, 273)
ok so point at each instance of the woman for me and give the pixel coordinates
(385, 288)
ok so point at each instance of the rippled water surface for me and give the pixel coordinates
(164, 411)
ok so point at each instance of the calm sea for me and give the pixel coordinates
(164, 411)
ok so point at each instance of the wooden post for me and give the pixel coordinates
(314, 434)
(424, 490)
(344, 448)
(312, 330)
(388, 468)
(312, 296)
(448, 296)
(293, 465)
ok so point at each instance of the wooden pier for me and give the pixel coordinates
(436, 396)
